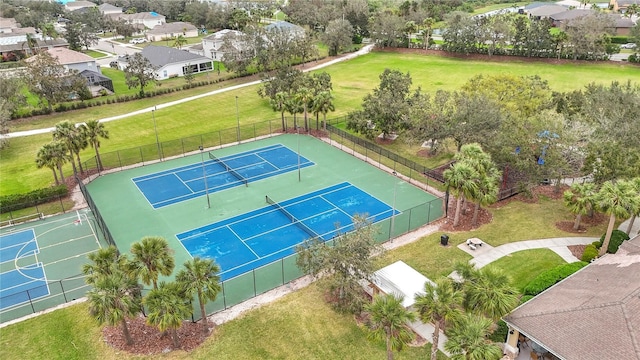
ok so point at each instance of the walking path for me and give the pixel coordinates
(364, 50)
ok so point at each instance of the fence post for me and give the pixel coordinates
(141, 155)
(64, 294)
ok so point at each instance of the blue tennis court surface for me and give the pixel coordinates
(188, 182)
(256, 238)
(15, 283)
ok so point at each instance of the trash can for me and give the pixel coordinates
(444, 240)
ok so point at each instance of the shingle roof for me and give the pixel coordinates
(546, 10)
(108, 7)
(283, 25)
(172, 27)
(66, 56)
(592, 315)
(572, 14)
(219, 35)
(161, 55)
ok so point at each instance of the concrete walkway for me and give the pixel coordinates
(558, 245)
(364, 50)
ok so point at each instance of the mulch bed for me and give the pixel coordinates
(148, 340)
(466, 217)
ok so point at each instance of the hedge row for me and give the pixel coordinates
(617, 237)
(552, 276)
(14, 202)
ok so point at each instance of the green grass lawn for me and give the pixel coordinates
(524, 266)
(301, 325)
(352, 81)
(94, 54)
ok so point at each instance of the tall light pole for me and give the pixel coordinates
(155, 129)
(298, 137)
(393, 213)
(238, 121)
(204, 175)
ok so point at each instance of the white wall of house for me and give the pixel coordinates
(160, 37)
(90, 65)
(176, 70)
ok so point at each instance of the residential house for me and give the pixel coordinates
(592, 315)
(85, 66)
(568, 15)
(7, 25)
(107, 9)
(14, 44)
(214, 47)
(171, 62)
(544, 11)
(293, 31)
(623, 25)
(147, 19)
(622, 5)
(172, 30)
(77, 5)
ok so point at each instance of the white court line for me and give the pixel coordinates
(242, 241)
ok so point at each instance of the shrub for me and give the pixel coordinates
(525, 298)
(21, 201)
(597, 244)
(619, 39)
(500, 333)
(617, 237)
(552, 276)
(590, 253)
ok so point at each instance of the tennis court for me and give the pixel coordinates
(243, 232)
(41, 262)
(245, 242)
(215, 174)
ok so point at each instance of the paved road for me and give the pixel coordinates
(362, 51)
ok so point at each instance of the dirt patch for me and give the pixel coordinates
(148, 340)
(577, 250)
(466, 217)
(568, 227)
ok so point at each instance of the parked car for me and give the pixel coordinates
(628, 46)
(137, 41)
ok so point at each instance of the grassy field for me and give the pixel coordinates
(352, 81)
(301, 325)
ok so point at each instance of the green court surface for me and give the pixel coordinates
(62, 243)
(130, 217)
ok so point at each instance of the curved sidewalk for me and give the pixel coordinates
(558, 245)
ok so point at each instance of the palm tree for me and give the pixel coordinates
(579, 199)
(427, 24)
(168, 307)
(439, 305)
(461, 178)
(304, 96)
(488, 291)
(201, 276)
(152, 257)
(615, 200)
(410, 27)
(74, 140)
(294, 107)
(487, 193)
(468, 339)
(635, 182)
(279, 104)
(388, 322)
(113, 299)
(105, 261)
(323, 103)
(92, 131)
(48, 30)
(31, 43)
(52, 155)
(180, 41)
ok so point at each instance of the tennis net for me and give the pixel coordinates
(230, 170)
(293, 219)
